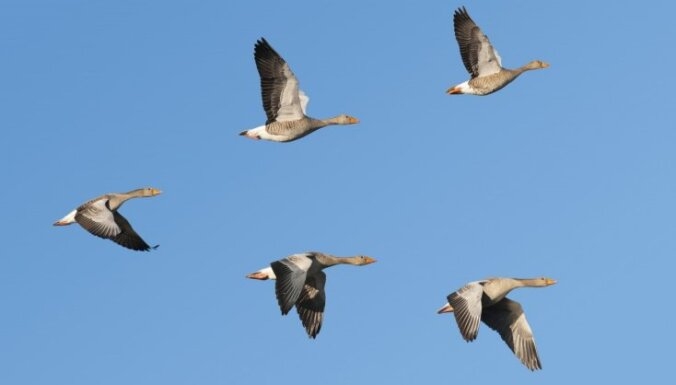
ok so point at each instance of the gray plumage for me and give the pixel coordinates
(482, 60)
(485, 300)
(300, 282)
(284, 103)
(101, 218)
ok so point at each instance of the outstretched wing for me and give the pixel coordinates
(478, 55)
(508, 319)
(128, 237)
(291, 273)
(279, 86)
(466, 304)
(95, 217)
(310, 304)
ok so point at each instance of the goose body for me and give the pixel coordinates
(284, 103)
(100, 217)
(481, 60)
(486, 301)
(299, 282)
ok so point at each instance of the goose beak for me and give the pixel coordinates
(453, 91)
(353, 120)
(60, 223)
(445, 309)
(550, 281)
(258, 275)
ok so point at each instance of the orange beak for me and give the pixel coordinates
(258, 275)
(453, 91)
(445, 309)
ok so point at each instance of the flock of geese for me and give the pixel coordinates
(299, 278)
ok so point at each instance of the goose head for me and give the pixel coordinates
(536, 65)
(151, 192)
(344, 119)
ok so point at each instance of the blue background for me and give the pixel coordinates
(568, 173)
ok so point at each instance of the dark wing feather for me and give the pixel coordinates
(271, 68)
(508, 319)
(128, 237)
(466, 32)
(310, 304)
(289, 284)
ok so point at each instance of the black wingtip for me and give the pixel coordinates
(261, 43)
(263, 49)
(461, 13)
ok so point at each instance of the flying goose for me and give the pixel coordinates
(300, 283)
(100, 217)
(486, 300)
(481, 60)
(283, 102)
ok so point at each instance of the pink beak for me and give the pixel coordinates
(453, 91)
(258, 275)
(445, 309)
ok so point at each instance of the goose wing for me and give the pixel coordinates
(96, 217)
(508, 319)
(291, 273)
(310, 304)
(466, 304)
(279, 86)
(127, 236)
(478, 55)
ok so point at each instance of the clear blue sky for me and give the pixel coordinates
(570, 172)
